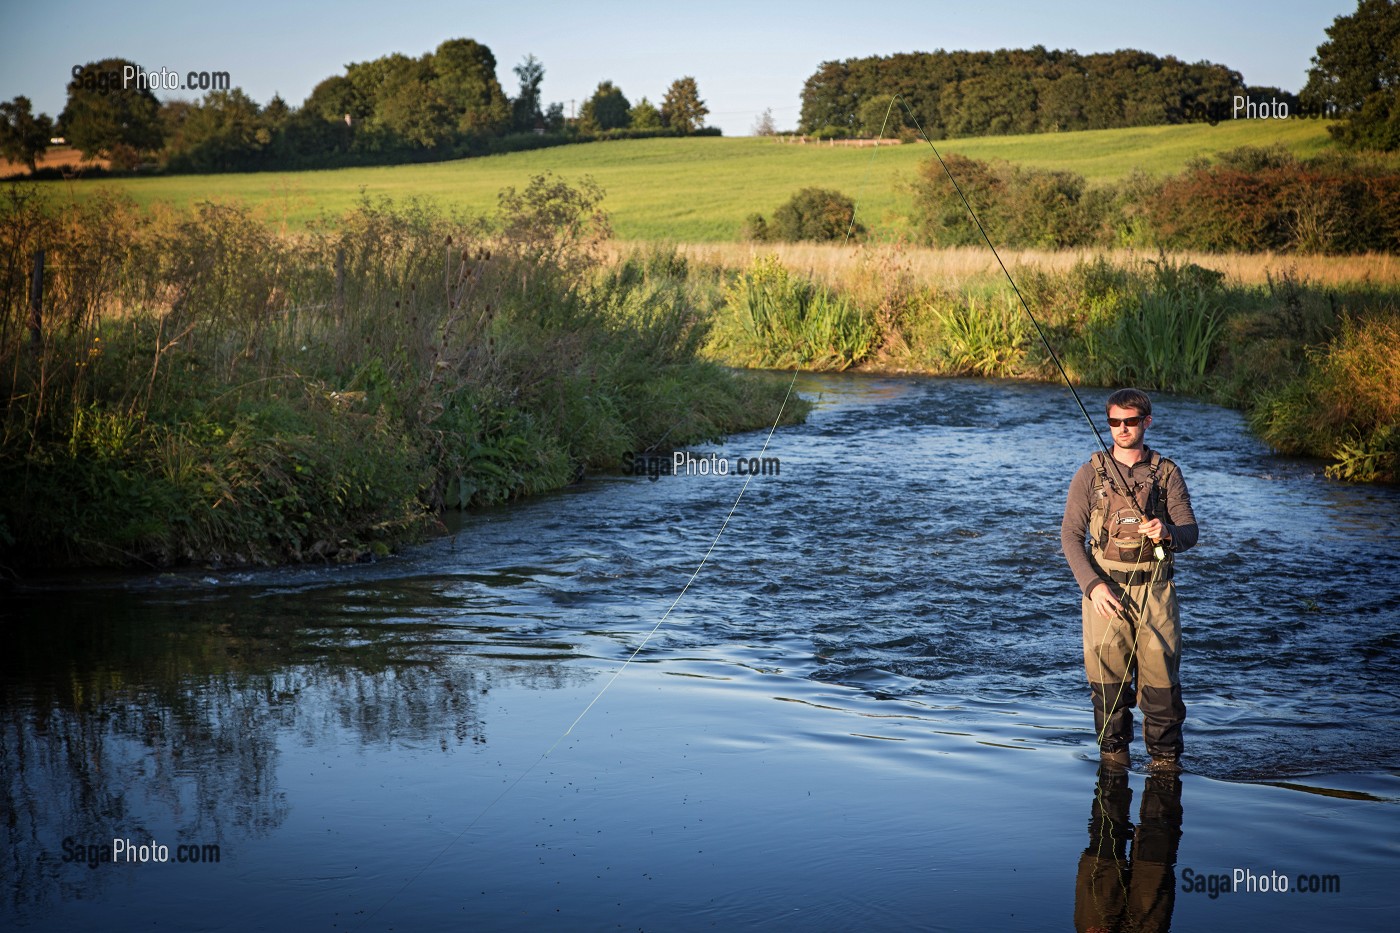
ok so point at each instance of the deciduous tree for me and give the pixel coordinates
(682, 109)
(525, 109)
(607, 109)
(110, 117)
(1357, 71)
(466, 82)
(23, 136)
(645, 116)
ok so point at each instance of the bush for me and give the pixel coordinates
(755, 229)
(817, 214)
(1017, 207)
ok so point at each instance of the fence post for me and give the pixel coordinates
(36, 302)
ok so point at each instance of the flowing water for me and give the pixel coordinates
(386, 744)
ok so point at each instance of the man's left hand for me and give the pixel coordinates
(1155, 530)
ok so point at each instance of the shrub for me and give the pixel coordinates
(818, 214)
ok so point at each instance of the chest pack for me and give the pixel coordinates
(1116, 514)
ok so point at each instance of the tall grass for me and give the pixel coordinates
(979, 337)
(1345, 403)
(202, 389)
(771, 318)
(1313, 364)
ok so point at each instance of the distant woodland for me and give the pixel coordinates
(444, 104)
(1035, 90)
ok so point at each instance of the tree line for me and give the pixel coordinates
(1354, 79)
(965, 93)
(447, 103)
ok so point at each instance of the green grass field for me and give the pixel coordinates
(700, 190)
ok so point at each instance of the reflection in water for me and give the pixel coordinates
(1127, 876)
(137, 721)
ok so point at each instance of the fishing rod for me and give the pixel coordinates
(1055, 357)
(1158, 551)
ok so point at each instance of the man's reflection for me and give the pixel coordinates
(1119, 889)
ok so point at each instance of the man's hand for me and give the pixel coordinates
(1155, 530)
(1105, 603)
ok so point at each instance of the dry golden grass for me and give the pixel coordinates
(53, 158)
(954, 266)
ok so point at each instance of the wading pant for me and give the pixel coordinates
(1135, 657)
(1115, 891)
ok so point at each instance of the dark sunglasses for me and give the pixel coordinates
(1130, 422)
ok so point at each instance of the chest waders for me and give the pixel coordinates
(1144, 643)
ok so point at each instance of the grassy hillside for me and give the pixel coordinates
(700, 190)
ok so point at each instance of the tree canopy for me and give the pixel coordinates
(447, 103)
(1357, 72)
(607, 109)
(23, 136)
(110, 117)
(1015, 91)
(682, 109)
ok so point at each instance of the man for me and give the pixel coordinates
(1124, 520)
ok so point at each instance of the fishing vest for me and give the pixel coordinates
(1115, 514)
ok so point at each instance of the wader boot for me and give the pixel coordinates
(1113, 722)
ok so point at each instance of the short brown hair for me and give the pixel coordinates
(1135, 399)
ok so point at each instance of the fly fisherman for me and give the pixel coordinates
(1124, 521)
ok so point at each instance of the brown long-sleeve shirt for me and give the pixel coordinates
(1175, 499)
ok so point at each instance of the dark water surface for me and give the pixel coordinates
(866, 712)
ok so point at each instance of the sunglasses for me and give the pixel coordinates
(1130, 422)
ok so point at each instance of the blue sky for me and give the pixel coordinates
(745, 56)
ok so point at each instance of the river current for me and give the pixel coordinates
(901, 568)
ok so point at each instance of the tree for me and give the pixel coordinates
(554, 120)
(23, 136)
(525, 109)
(466, 83)
(337, 98)
(682, 109)
(764, 125)
(109, 116)
(225, 131)
(881, 116)
(414, 104)
(644, 116)
(607, 109)
(1357, 71)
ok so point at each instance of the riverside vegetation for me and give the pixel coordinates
(1314, 367)
(202, 389)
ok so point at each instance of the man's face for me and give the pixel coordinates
(1125, 435)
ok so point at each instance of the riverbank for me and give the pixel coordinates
(1308, 361)
(204, 391)
(199, 390)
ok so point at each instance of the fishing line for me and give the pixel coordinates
(616, 674)
(1055, 358)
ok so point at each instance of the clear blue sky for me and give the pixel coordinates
(746, 56)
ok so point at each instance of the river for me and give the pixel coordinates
(866, 710)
